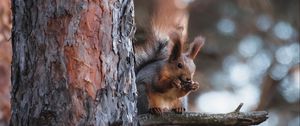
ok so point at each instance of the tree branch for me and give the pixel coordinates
(234, 118)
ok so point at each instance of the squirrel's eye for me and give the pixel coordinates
(179, 65)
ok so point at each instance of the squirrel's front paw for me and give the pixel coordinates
(177, 83)
(195, 86)
(192, 86)
(155, 111)
(179, 110)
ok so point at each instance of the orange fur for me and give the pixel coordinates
(166, 81)
(164, 71)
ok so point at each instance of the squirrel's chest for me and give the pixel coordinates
(171, 94)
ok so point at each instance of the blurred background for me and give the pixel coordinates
(251, 55)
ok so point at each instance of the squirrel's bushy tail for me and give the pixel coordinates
(166, 16)
(149, 52)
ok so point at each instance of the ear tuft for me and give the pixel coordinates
(177, 48)
(196, 46)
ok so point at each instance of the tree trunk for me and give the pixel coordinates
(5, 61)
(73, 62)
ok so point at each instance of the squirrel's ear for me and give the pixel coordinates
(177, 48)
(196, 46)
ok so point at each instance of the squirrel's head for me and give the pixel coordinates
(182, 63)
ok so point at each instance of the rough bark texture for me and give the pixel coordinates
(72, 62)
(235, 118)
(5, 61)
(202, 119)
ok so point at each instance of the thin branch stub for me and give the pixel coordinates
(239, 107)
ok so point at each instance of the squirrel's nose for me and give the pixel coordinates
(188, 79)
(185, 79)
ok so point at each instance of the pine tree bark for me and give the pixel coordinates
(72, 62)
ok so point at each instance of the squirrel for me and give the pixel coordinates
(164, 72)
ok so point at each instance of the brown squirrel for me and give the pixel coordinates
(164, 71)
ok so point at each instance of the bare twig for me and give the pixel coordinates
(239, 108)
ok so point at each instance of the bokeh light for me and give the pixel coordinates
(226, 26)
(290, 87)
(240, 74)
(264, 22)
(260, 62)
(283, 30)
(250, 45)
(285, 55)
(279, 71)
(217, 102)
